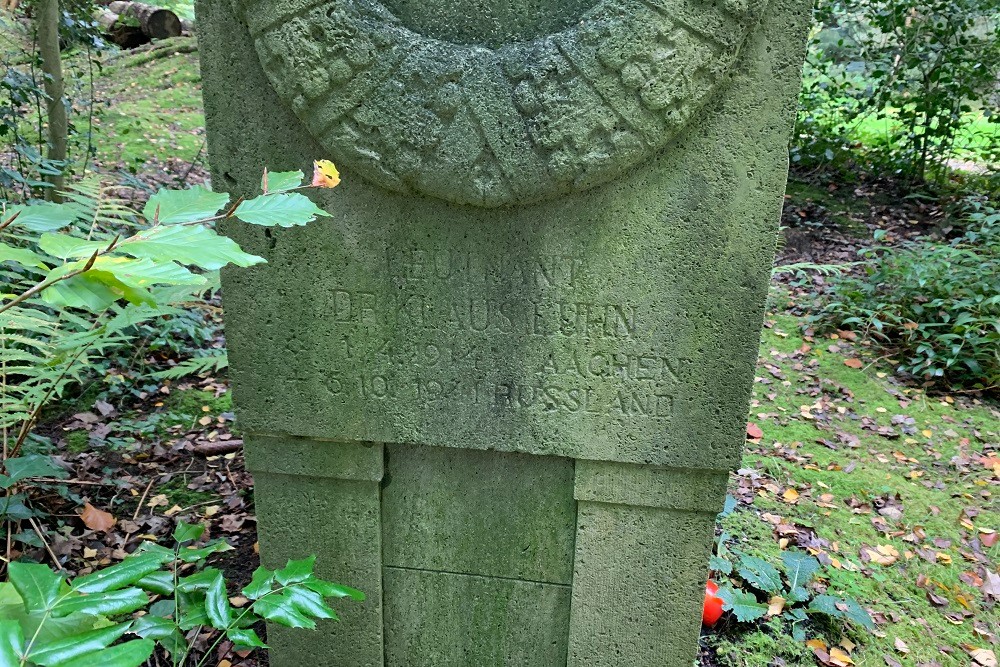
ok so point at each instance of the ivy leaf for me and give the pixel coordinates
(37, 585)
(217, 604)
(190, 245)
(244, 637)
(42, 217)
(745, 606)
(279, 181)
(129, 654)
(284, 210)
(11, 643)
(799, 569)
(175, 206)
(260, 584)
(66, 649)
(760, 574)
(296, 571)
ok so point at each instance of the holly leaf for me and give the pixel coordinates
(74, 646)
(129, 654)
(11, 643)
(295, 571)
(844, 608)
(188, 532)
(217, 604)
(260, 584)
(110, 603)
(37, 585)
(245, 637)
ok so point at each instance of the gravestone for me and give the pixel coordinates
(501, 388)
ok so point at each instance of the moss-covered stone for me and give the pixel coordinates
(551, 250)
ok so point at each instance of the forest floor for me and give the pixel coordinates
(893, 487)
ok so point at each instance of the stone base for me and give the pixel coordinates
(474, 558)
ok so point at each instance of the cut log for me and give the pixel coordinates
(156, 22)
(120, 32)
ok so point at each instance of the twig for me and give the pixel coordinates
(142, 499)
(45, 542)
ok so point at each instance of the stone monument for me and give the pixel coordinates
(501, 388)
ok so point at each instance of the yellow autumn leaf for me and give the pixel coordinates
(790, 496)
(839, 657)
(775, 606)
(325, 174)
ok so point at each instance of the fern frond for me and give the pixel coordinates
(213, 362)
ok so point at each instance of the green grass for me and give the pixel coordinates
(153, 110)
(933, 493)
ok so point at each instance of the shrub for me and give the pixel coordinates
(914, 80)
(935, 303)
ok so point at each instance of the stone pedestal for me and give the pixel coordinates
(500, 390)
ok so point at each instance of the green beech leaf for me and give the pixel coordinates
(65, 246)
(260, 584)
(74, 646)
(190, 245)
(279, 181)
(217, 604)
(37, 585)
(243, 637)
(760, 574)
(42, 217)
(331, 590)
(11, 643)
(129, 571)
(174, 206)
(129, 654)
(188, 532)
(745, 606)
(279, 609)
(283, 210)
(799, 569)
(295, 571)
(22, 256)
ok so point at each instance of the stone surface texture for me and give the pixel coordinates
(500, 390)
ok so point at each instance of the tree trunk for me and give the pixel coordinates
(119, 32)
(47, 23)
(156, 22)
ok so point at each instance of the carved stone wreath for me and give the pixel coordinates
(497, 126)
